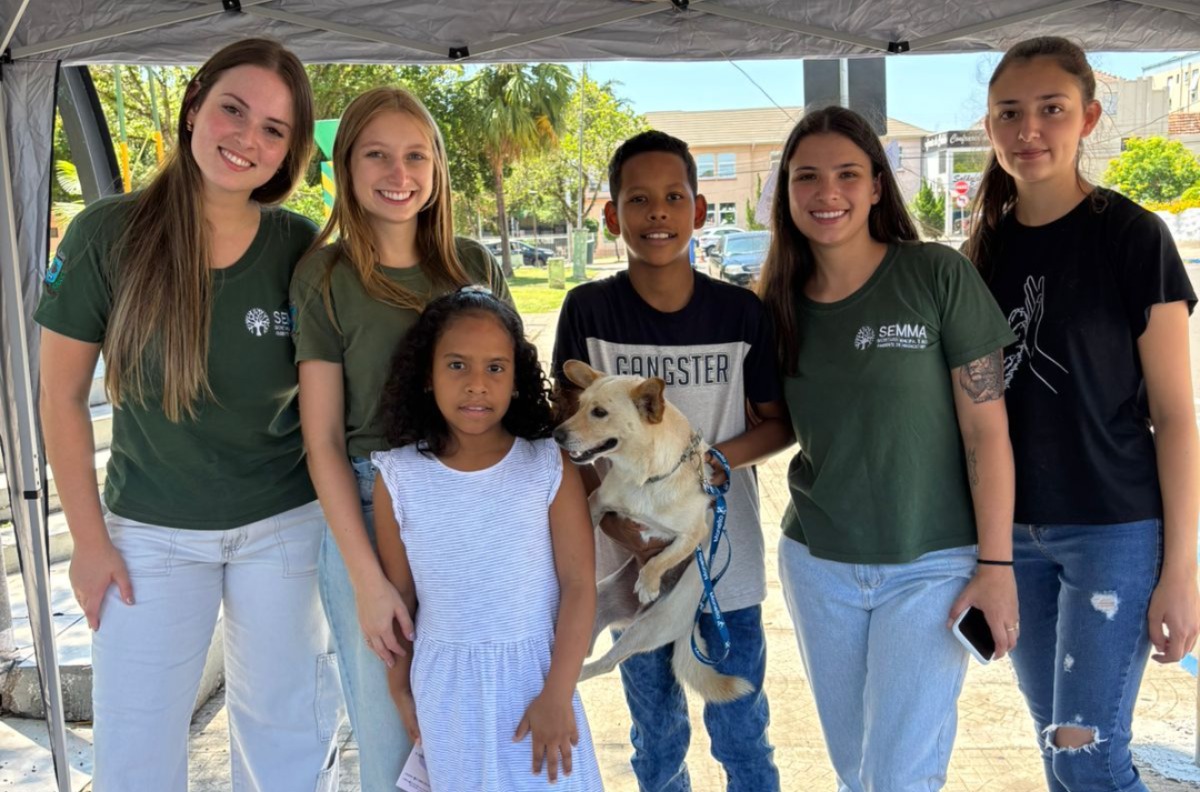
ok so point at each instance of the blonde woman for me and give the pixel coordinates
(354, 300)
(207, 504)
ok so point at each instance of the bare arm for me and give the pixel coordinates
(1175, 604)
(395, 565)
(322, 420)
(979, 401)
(768, 434)
(67, 368)
(551, 717)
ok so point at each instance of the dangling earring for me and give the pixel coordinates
(189, 126)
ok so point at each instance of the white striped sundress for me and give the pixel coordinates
(480, 550)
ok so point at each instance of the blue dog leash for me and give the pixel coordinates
(705, 565)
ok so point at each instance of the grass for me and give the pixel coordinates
(531, 291)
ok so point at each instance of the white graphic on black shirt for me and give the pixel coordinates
(1027, 323)
(257, 321)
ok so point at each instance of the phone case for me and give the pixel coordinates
(969, 639)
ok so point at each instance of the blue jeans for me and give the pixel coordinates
(1085, 591)
(884, 671)
(383, 745)
(737, 729)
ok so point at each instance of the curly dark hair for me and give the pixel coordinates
(410, 412)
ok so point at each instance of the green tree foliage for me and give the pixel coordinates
(1153, 169)
(520, 110)
(554, 175)
(929, 208)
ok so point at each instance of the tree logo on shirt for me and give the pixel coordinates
(257, 321)
(864, 337)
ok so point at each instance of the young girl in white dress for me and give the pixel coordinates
(484, 530)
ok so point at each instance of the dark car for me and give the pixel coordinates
(739, 257)
(530, 256)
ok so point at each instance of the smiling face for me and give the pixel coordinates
(241, 131)
(1036, 117)
(656, 210)
(391, 168)
(831, 190)
(473, 374)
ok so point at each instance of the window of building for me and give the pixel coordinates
(706, 166)
(1194, 87)
(726, 166)
(720, 214)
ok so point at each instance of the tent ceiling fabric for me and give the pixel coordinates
(503, 30)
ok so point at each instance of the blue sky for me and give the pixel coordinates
(936, 92)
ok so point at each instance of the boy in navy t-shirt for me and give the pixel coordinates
(712, 343)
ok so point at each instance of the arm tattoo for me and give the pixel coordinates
(983, 379)
(973, 468)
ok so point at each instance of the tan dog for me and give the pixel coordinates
(657, 468)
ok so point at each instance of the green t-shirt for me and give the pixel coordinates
(370, 330)
(241, 459)
(881, 474)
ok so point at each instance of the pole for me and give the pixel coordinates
(578, 243)
(124, 145)
(158, 136)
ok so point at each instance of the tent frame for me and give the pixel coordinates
(21, 446)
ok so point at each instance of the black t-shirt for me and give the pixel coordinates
(714, 354)
(1077, 292)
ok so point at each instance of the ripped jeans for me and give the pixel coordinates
(1085, 591)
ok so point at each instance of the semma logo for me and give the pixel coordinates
(902, 336)
(864, 338)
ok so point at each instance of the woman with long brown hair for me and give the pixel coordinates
(901, 492)
(207, 505)
(354, 301)
(1099, 394)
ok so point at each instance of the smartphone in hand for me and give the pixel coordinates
(972, 631)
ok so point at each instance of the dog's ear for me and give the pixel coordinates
(581, 373)
(648, 396)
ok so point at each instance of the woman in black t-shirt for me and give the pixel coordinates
(1100, 408)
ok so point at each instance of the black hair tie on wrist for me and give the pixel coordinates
(990, 562)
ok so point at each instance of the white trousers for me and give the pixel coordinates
(281, 681)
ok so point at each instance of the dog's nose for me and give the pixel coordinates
(560, 435)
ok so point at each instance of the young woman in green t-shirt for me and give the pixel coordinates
(890, 350)
(207, 506)
(353, 301)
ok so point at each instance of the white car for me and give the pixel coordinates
(709, 237)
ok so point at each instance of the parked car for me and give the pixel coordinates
(739, 257)
(529, 255)
(709, 237)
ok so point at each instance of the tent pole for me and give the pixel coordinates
(637, 11)
(116, 31)
(1182, 6)
(12, 27)
(23, 467)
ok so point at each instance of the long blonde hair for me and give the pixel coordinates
(435, 223)
(158, 331)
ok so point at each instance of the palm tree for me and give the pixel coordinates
(520, 109)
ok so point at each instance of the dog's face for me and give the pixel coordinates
(615, 415)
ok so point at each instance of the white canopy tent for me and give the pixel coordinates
(40, 38)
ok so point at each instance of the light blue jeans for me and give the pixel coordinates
(884, 670)
(1085, 591)
(383, 745)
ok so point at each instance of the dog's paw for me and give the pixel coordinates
(647, 590)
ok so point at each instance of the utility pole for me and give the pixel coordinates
(579, 243)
